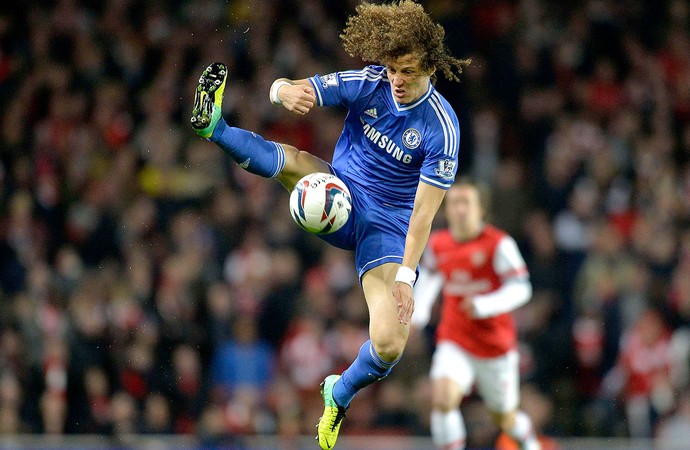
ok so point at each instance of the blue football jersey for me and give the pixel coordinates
(386, 147)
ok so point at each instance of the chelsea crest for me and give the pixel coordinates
(411, 138)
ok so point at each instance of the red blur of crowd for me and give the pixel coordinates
(148, 285)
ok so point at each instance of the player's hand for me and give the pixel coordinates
(297, 98)
(402, 292)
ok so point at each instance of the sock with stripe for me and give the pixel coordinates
(366, 369)
(249, 150)
(523, 432)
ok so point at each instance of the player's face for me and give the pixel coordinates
(463, 211)
(408, 80)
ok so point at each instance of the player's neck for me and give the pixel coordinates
(464, 235)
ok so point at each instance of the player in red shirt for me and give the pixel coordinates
(483, 278)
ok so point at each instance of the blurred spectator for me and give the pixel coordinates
(137, 372)
(674, 430)
(124, 415)
(53, 413)
(242, 366)
(98, 396)
(394, 414)
(188, 390)
(642, 375)
(157, 415)
(220, 304)
(303, 356)
(10, 405)
(510, 201)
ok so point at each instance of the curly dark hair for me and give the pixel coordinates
(381, 33)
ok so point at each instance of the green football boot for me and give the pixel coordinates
(209, 99)
(333, 415)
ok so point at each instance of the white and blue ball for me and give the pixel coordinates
(320, 203)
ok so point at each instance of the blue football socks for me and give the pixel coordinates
(249, 150)
(367, 368)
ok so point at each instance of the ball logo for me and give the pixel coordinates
(411, 138)
(332, 193)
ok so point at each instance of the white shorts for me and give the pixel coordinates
(497, 379)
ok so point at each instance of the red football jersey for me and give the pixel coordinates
(473, 268)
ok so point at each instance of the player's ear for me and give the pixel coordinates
(432, 75)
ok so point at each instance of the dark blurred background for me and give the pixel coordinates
(149, 286)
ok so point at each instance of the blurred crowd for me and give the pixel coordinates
(147, 285)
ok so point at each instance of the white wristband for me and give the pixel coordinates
(273, 93)
(406, 275)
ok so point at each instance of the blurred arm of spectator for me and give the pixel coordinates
(680, 349)
(613, 383)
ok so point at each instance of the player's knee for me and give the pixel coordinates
(389, 349)
(291, 155)
(299, 162)
(445, 395)
(443, 404)
(291, 172)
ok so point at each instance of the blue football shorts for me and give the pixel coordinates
(375, 231)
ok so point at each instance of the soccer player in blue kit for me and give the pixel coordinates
(397, 153)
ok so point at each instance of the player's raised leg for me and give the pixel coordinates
(249, 150)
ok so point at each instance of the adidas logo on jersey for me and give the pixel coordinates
(371, 113)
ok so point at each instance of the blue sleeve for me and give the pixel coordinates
(441, 147)
(350, 88)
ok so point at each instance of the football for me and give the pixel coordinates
(320, 203)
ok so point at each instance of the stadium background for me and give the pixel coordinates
(150, 288)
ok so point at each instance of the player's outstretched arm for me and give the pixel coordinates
(427, 201)
(296, 96)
